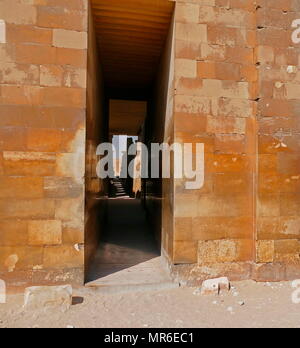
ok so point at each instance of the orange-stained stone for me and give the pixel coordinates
(77, 5)
(66, 255)
(268, 204)
(19, 74)
(58, 187)
(58, 17)
(14, 258)
(27, 208)
(65, 97)
(233, 86)
(209, 205)
(13, 233)
(51, 76)
(26, 163)
(28, 34)
(62, 117)
(188, 123)
(240, 54)
(214, 228)
(44, 140)
(185, 252)
(73, 57)
(287, 251)
(13, 139)
(234, 183)
(35, 54)
(265, 251)
(230, 143)
(20, 95)
(220, 251)
(183, 229)
(228, 163)
(72, 236)
(21, 187)
(44, 232)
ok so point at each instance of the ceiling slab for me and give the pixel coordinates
(131, 36)
(126, 117)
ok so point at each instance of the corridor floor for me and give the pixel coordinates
(128, 255)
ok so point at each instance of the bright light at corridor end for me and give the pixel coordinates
(188, 162)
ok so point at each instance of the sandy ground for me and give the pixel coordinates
(265, 305)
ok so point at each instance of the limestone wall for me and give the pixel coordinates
(96, 133)
(160, 129)
(43, 59)
(214, 105)
(237, 92)
(278, 142)
(233, 86)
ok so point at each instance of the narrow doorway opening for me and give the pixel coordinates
(128, 239)
(133, 41)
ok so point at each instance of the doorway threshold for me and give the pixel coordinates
(146, 276)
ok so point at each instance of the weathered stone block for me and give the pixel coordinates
(13, 233)
(71, 165)
(26, 163)
(27, 208)
(186, 68)
(2, 32)
(185, 252)
(19, 74)
(45, 297)
(51, 75)
(12, 139)
(69, 39)
(20, 258)
(44, 140)
(19, 13)
(183, 229)
(187, 13)
(226, 125)
(191, 32)
(73, 57)
(64, 97)
(21, 187)
(27, 34)
(44, 232)
(192, 105)
(265, 251)
(35, 54)
(60, 187)
(68, 256)
(61, 18)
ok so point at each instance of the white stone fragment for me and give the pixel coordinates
(2, 31)
(291, 69)
(214, 286)
(2, 291)
(44, 297)
(278, 84)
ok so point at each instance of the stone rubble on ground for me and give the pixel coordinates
(214, 286)
(197, 292)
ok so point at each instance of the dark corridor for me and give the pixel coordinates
(127, 240)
